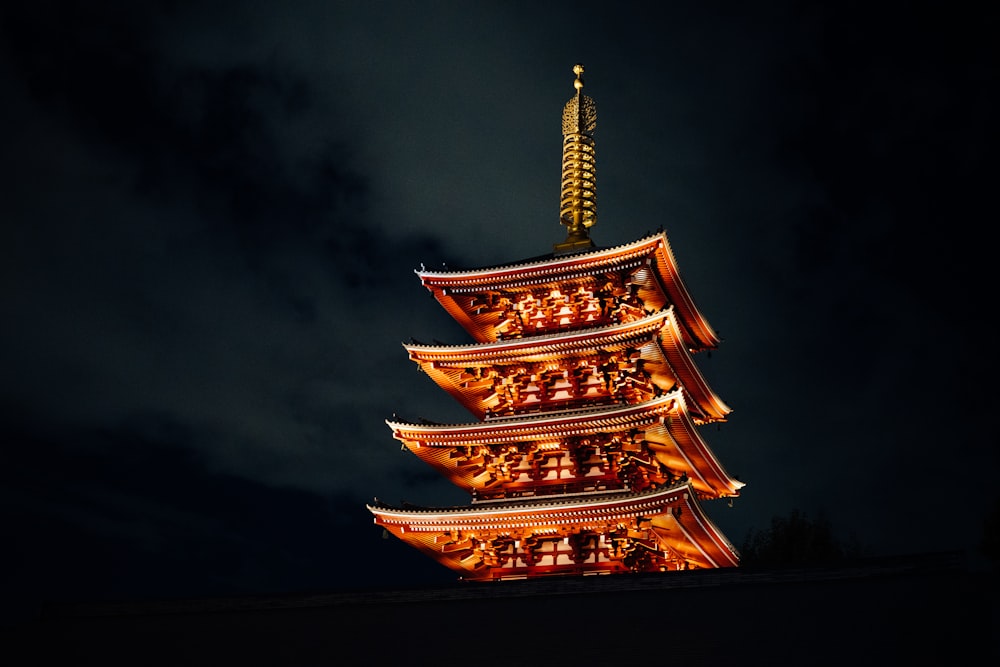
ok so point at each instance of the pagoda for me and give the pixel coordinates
(585, 456)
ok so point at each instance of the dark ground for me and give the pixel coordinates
(903, 610)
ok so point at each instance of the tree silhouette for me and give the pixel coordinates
(989, 543)
(795, 540)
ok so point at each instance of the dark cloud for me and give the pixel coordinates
(130, 514)
(182, 257)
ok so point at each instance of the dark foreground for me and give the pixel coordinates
(905, 610)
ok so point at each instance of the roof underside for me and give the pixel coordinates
(643, 445)
(597, 533)
(634, 361)
(492, 303)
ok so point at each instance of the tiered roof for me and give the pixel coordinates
(485, 301)
(578, 449)
(637, 359)
(586, 533)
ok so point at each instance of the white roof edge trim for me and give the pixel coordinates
(569, 260)
(577, 335)
(432, 514)
(549, 418)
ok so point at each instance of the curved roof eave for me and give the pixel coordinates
(522, 425)
(547, 269)
(567, 510)
(657, 325)
(592, 336)
(590, 501)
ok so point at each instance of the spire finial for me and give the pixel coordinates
(578, 199)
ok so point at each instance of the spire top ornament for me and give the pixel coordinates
(578, 198)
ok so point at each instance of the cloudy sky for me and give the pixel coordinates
(210, 217)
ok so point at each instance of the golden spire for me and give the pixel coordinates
(578, 200)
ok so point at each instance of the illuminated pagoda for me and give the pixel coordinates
(585, 456)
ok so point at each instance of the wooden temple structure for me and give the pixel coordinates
(585, 455)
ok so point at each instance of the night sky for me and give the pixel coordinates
(210, 218)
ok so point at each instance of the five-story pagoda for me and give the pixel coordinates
(585, 456)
